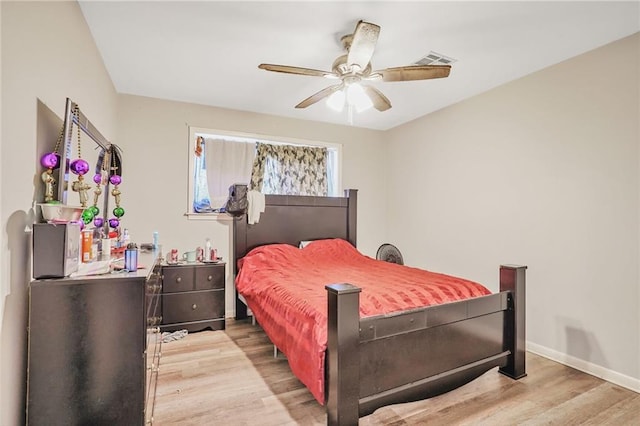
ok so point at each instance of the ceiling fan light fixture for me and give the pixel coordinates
(355, 66)
(336, 101)
(358, 98)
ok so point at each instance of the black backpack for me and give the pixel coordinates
(237, 202)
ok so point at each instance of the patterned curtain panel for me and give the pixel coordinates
(290, 170)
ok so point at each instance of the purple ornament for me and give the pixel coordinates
(79, 222)
(79, 166)
(115, 179)
(98, 222)
(97, 178)
(49, 160)
(114, 223)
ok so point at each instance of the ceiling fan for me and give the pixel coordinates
(354, 68)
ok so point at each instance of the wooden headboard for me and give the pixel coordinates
(290, 219)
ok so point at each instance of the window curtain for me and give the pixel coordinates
(201, 201)
(290, 170)
(228, 162)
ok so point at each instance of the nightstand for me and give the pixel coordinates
(193, 296)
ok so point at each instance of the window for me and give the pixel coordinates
(218, 159)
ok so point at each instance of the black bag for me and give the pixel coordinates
(237, 202)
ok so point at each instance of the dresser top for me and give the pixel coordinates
(146, 262)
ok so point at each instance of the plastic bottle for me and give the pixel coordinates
(155, 240)
(106, 249)
(113, 236)
(207, 250)
(87, 245)
(131, 257)
(126, 238)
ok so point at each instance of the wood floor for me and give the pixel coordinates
(231, 378)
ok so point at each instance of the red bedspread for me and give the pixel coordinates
(284, 287)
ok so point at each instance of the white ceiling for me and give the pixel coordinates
(207, 52)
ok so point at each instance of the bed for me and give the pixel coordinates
(370, 358)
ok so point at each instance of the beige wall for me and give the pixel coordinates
(48, 54)
(542, 171)
(153, 134)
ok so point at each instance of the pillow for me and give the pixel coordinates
(304, 243)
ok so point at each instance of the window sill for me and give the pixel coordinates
(218, 217)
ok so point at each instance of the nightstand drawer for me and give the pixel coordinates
(209, 277)
(177, 278)
(192, 277)
(192, 306)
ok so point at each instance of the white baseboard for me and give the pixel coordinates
(619, 379)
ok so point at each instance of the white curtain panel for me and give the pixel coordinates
(227, 162)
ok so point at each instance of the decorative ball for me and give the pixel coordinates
(115, 179)
(95, 210)
(79, 166)
(118, 212)
(87, 215)
(114, 223)
(49, 160)
(97, 178)
(98, 222)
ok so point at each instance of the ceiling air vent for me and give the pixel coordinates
(434, 58)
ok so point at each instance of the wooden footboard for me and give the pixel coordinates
(420, 353)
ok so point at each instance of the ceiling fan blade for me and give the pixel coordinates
(414, 72)
(380, 101)
(324, 93)
(297, 70)
(363, 44)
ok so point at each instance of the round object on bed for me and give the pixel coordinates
(389, 253)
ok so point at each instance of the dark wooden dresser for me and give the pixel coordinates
(93, 348)
(193, 296)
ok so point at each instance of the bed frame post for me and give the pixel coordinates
(512, 279)
(239, 250)
(343, 361)
(352, 219)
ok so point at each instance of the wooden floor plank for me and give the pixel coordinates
(231, 377)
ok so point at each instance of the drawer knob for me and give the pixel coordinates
(194, 306)
(179, 279)
(209, 278)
